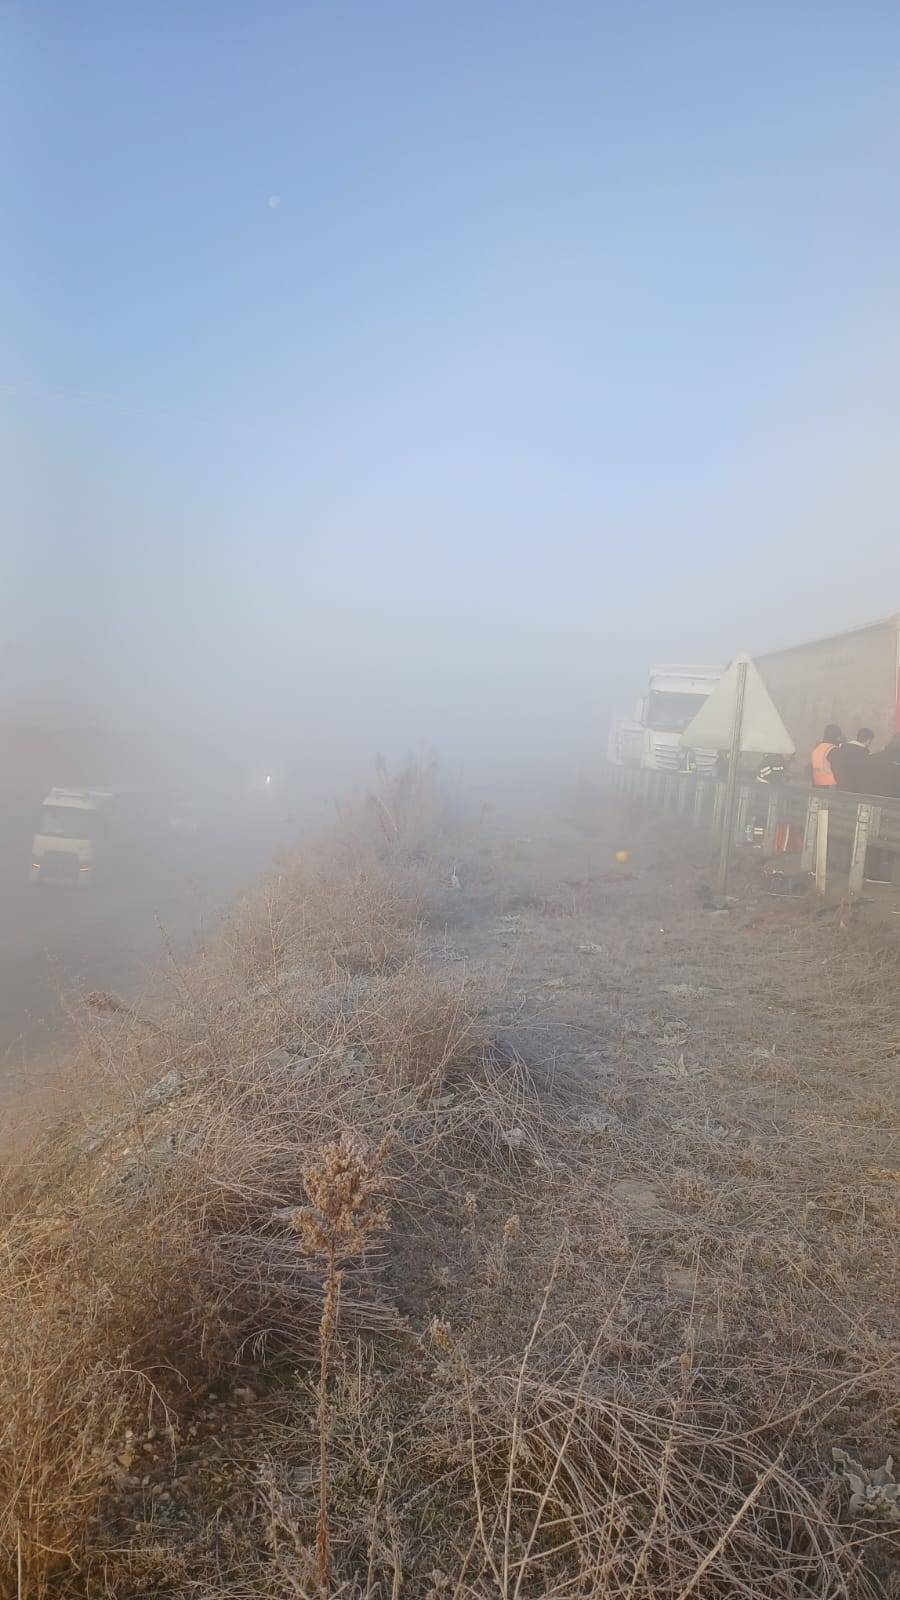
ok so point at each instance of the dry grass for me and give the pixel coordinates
(148, 1249)
(540, 1422)
(415, 1027)
(66, 1393)
(580, 1489)
(366, 920)
(139, 1275)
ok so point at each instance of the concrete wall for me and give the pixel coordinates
(850, 679)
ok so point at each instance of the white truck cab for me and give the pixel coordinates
(70, 831)
(674, 696)
(652, 738)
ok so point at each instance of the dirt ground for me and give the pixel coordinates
(774, 1023)
(642, 1249)
(733, 1081)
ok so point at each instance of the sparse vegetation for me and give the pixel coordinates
(630, 1292)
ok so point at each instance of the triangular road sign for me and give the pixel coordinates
(762, 730)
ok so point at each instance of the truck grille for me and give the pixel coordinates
(60, 865)
(669, 758)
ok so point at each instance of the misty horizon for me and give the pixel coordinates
(368, 384)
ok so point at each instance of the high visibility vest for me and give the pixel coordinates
(820, 766)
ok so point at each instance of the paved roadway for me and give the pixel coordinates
(57, 942)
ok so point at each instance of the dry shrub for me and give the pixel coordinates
(364, 920)
(508, 1121)
(345, 1188)
(579, 1482)
(324, 913)
(157, 1255)
(531, 1483)
(414, 1027)
(147, 1244)
(866, 969)
(65, 1391)
(407, 811)
(581, 1492)
(356, 897)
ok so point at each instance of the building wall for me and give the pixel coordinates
(850, 679)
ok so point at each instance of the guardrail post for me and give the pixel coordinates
(741, 815)
(808, 858)
(698, 799)
(860, 846)
(771, 824)
(822, 850)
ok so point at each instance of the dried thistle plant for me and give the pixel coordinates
(512, 1228)
(345, 1186)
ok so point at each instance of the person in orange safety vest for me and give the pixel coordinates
(820, 772)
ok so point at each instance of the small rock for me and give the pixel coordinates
(514, 1138)
(600, 1122)
(638, 1195)
(165, 1088)
(277, 1058)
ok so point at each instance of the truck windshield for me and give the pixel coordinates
(669, 712)
(69, 822)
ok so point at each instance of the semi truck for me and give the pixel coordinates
(852, 679)
(83, 834)
(652, 737)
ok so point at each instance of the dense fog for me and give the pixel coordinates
(380, 376)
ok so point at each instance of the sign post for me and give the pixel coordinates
(731, 786)
(739, 714)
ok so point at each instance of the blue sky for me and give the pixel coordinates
(443, 364)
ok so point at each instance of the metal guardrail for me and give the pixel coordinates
(821, 816)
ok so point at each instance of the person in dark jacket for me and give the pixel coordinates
(772, 769)
(883, 779)
(883, 772)
(850, 763)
